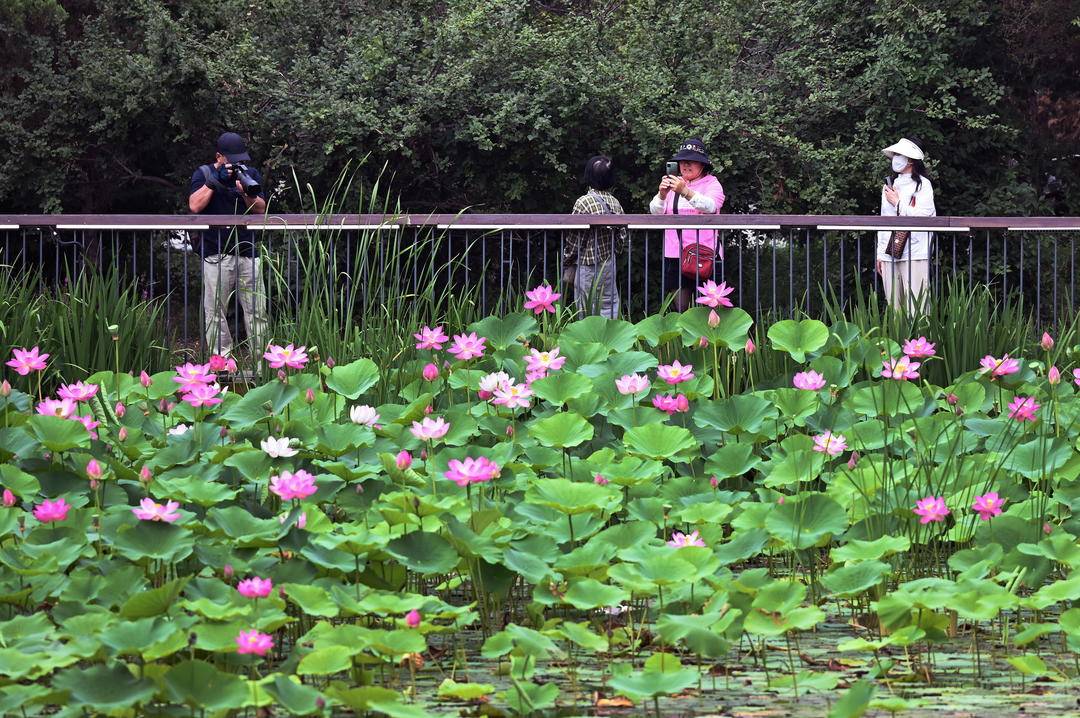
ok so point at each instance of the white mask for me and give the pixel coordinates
(899, 162)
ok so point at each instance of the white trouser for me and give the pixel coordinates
(224, 274)
(905, 283)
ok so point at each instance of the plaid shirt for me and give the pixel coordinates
(594, 246)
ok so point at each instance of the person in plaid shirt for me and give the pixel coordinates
(589, 255)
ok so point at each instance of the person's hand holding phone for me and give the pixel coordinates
(666, 185)
(891, 195)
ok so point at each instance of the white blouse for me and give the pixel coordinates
(918, 246)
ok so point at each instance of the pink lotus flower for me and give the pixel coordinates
(1053, 376)
(431, 372)
(77, 392)
(513, 396)
(429, 338)
(63, 408)
(830, 443)
(50, 511)
(538, 361)
(219, 363)
(301, 519)
(1076, 376)
(255, 587)
(93, 469)
(671, 404)
(403, 460)
(291, 486)
(853, 460)
(808, 380)
(679, 540)
(145, 380)
(468, 346)
(88, 422)
(931, 509)
(489, 383)
(472, 471)
(988, 505)
(599, 480)
(430, 429)
(287, 356)
(191, 375)
(24, 361)
(715, 295)
(542, 299)
(918, 348)
(999, 367)
(675, 373)
(750, 347)
(412, 618)
(714, 319)
(632, 384)
(203, 395)
(900, 369)
(150, 510)
(1047, 343)
(253, 642)
(9, 498)
(1023, 408)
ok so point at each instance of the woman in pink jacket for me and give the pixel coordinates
(693, 191)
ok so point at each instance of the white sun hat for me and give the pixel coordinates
(904, 147)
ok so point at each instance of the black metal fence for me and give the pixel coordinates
(779, 265)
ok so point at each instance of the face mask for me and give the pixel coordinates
(899, 162)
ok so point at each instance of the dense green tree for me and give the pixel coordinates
(108, 105)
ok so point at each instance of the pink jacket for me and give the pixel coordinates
(706, 185)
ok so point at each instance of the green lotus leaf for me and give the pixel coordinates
(646, 684)
(804, 522)
(104, 688)
(200, 685)
(740, 414)
(580, 634)
(587, 593)
(561, 431)
(353, 379)
(252, 407)
(855, 702)
(154, 601)
(361, 699)
(312, 600)
(1038, 458)
(619, 365)
(657, 329)
(571, 497)
(730, 332)
(469, 692)
(326, 661)
(561, 386)
(502, 332)
(798, 338)
(133, 637)
(855, 578)
(742, 545)
(295, 697)
(526, 697)
(528, 567)
(703, 634)
(885, 398)
(424, 552)
(150, 539)
(19, 482)
(857, 550)
(199, 490)
(795, 404)
(660, 441)
(241, 526)
(614, 334)
(57, 434)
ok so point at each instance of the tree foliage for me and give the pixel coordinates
(108, 105)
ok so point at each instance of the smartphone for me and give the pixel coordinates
(672, 168)
(888, 181)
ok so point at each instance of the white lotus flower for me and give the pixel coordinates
(178, 430)
(364, 415)
(277, 448)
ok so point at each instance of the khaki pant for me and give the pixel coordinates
(224, 274)
(905, 283)
(595, 290)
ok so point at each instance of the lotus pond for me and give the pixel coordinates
(544, 515)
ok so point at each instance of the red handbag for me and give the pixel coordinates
(695, 260)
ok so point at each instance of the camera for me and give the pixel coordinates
(241, 172)
(672, 169)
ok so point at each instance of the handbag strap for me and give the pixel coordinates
(603, 202)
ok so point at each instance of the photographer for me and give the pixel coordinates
(230, 263)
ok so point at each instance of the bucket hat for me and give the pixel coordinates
(693, 150)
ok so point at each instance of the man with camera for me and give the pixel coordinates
(230, 262)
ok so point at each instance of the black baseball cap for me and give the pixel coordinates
(233, 147)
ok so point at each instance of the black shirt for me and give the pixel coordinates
(222, 239)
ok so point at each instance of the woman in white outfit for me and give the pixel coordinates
(907, 193)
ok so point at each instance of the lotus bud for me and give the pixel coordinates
(217, 363)
(281, 375)
(483, 395)
(599, 480)
(428, 409)
(281, 591)
(122, 434)
(301, 520)
(5, 388)
(144, 379)
(169, 406)
(163, 405)
(9, 498)
(145, 475)
(510, 430)
(93, 469)
(1047, 528)
(780, 500)
(359, 488)
(1047, 342)
(714, 482)
(952, 399)
(853, 460)
(431, 372)
(703, 342)
(330, 363)
(309, 396)
(714, 318)
(423, 454)
(1054, 375)
(94, 484)
(228, 571)
(320, 703)
(223, 432)
(412, 618)
(403, 460)
(750, 346)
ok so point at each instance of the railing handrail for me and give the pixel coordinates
(826, 222)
